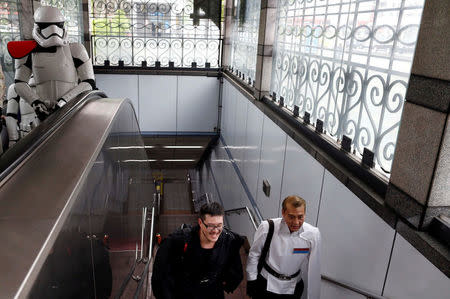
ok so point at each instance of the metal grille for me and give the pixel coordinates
(73, 13)
(244, 37)
(178, 31)
(347, 62)
(9, 30)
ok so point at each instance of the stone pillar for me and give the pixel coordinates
(86, 35)
(267, 24)
(226, 47)
(419, 187)
(26, 11)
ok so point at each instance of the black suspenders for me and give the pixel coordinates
(262, 259)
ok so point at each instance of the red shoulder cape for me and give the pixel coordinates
(20, 49)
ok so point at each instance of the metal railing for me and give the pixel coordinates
(352, 288)
(249, 213)
(149, 258)
(327, 69)
(156, 33)
(146, 260)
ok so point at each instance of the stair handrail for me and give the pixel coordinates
(140, 278)
(249, 213)
(353, 288)
(149, 259)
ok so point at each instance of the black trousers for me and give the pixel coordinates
(264, 294)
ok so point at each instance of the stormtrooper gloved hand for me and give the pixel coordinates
(60, 103)
(41, 110)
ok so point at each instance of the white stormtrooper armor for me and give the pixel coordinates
(61, 70)
(19, 107)
(3, 101)
(28, 118)
(11, 118)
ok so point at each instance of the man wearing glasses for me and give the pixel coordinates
(199, 262)
(283, 254)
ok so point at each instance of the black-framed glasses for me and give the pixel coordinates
(210, 227)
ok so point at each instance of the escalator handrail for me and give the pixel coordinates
(25, 146)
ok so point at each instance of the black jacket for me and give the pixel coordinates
(182, 269)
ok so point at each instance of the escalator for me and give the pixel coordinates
(75, 217)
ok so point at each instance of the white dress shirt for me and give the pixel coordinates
(288, 252)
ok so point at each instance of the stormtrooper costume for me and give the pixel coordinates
(61, 70)
(3, 101)
(18, 108)
(12, 115)
(288, 253)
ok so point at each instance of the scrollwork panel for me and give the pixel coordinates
(181, 31)
(347, 63)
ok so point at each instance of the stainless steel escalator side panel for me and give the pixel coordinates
(37, 199)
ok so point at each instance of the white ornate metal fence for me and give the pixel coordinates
(9, 31)
(178, 31)
(244, 37)
(347, 63)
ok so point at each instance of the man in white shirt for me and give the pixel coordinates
(293, 253)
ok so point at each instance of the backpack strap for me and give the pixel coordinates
(186, 231)
(262, 257)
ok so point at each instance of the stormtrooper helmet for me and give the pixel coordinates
(48, 28)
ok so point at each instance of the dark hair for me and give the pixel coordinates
(212, 208)
(294, 200)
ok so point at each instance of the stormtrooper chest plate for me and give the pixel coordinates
(56, 66)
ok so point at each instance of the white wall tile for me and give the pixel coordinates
(241, 224)
(253, 136)
(220, 169)
(158, 103)
(356, 243)
(224, 127)
(331, 291)
(240, 126)
(412, 276)
(271, 168)
(231, 116)
(198, 100)
(302, 176)
(212, 185)
(120, 86)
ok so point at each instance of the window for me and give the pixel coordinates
(178, 31)
(347, 63)
(9, 31)
(244, 37)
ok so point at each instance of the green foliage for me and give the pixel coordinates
(117, 25)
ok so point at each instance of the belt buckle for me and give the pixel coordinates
(284, 277)
(205, 280)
